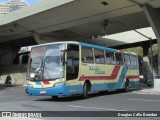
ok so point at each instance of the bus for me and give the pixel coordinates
(77, 68)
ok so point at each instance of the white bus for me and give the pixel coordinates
(71, 68)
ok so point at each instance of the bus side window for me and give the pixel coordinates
(127, 60)
(119, 58)
(133, 60)
(99, 56)
(110, 58)
(87, 55)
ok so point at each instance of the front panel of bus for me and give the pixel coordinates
(46, 70)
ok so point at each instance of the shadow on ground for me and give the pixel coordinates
(2, 86)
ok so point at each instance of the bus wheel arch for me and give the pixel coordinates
(86, 88)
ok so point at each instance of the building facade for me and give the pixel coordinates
(11, 6)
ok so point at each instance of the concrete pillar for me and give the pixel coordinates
(153, 16)
(147, 70)
(145, 49)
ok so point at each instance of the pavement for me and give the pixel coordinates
(150, 91)
(15, 99)
(144, 89)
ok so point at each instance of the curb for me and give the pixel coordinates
(148, 91)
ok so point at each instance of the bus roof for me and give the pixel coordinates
(87, 45)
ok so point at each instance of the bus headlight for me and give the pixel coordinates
(58, 84)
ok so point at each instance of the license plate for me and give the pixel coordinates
(43, 92)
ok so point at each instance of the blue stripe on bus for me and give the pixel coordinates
(121, 78)
(75, 89)
(98, 47)
(78, 89)
(38, 83)
(113, 86)
(58, 90)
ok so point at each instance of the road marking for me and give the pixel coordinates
(145, 93)
(96, 108)
(145, 100)
(137, 92)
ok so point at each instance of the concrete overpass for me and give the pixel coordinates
(74, 18)
(57, 20)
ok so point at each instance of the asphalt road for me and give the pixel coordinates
(15, 99)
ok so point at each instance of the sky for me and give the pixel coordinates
(29, 2)
(132, 36)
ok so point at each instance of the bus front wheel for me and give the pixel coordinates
(54, 97)
(85, 94)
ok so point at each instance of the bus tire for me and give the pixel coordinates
(126, 89)
(85, 90)
(54, 97)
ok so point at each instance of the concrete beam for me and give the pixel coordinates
(62, 35)
(153, 16)
(40, 40)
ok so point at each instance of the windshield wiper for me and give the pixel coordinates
(38, 72)
(39, 68)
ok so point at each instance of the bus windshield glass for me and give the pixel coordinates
(45, 62)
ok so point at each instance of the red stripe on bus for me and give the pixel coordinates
(46, 82)
(132, 77)
(113, 75)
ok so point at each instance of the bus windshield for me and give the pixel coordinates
(45, 62)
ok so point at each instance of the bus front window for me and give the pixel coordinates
(53, 67)
(45, 62)
(35, 62)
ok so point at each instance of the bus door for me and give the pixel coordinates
(72, 68)
(122, 70)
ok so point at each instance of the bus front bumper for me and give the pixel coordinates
(54, 91)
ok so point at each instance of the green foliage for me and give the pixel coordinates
(137, 50)
(154, 49)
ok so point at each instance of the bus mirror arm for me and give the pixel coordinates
(62, 55)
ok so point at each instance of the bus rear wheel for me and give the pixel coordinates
(126, 89)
